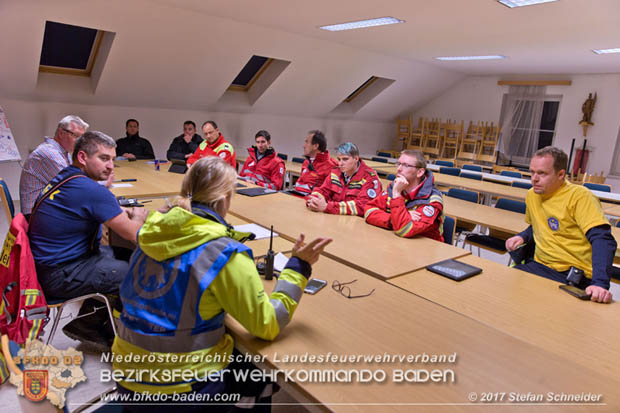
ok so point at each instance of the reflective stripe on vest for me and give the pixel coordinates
(224, 146)
(161, 299)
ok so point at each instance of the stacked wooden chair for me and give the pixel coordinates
(488, 146)
(416, 140)
(433, 137)
(453, 135)
(470, 145)
(403, 133)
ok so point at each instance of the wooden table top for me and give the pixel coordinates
(490, 217)
(492, 188)
(394, 322)
(385, 255)
(530, 308)
(611, 209)
(149, 181)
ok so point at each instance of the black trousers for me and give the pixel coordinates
(101, 272)
(537, 268)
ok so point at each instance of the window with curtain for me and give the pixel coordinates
(528, 119)
(615, 163)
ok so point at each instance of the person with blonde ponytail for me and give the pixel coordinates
(189, 270)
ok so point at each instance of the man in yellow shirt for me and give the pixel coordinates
(568, 227)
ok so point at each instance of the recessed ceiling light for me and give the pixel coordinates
(490, 57)
(381, 21)
(521, 3)
(605, 51)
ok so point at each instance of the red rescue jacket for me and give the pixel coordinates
(313, 173)
(349, 198)
(387, 212)
(268, 171)
(23, 310)
(221, 147)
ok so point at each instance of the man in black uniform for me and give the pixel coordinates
(133, 146)
(184, 145)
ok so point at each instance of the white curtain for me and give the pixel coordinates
(521, 116)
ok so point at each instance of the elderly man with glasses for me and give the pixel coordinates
(411, 205)
(49, 158)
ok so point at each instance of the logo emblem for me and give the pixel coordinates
(553, 223)
(155, 279)
(371, 193)
(428, 210)
(35, 384)
(222, 155)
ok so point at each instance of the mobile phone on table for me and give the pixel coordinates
(314, 286)
(576, 292)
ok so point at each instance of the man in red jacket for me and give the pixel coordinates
(263, 167)
(411, 205)
(213, 145)
(348, 188)
(317, 165)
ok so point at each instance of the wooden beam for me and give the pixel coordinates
(535, 82)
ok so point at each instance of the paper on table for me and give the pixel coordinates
(280, 262)
(124, 185)
(257, 230)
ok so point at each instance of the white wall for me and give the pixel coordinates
(30, 121)
(480, 98)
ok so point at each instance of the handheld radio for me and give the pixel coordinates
(269, 258)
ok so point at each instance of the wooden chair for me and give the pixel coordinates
(416, 140)
(403, 133)
(433, 138)
(453, 134)
(594, 178)
(470, 145)
(488, 146)
(578, 178)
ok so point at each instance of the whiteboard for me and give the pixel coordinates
(8, 147)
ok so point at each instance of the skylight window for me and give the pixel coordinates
(521, 3)
(362, 95)
(256, 76)
(360, 24)
(250, 72)
(606, 51)
(489, 57)
(360, 89)
(69, 49)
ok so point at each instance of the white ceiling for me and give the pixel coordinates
(548, 38)
(183, 54)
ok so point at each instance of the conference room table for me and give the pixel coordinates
(492, 358)
(386, 255)
(491, 364)
(611, 209)
(483, 187)
(530, 308)
(149, 182)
